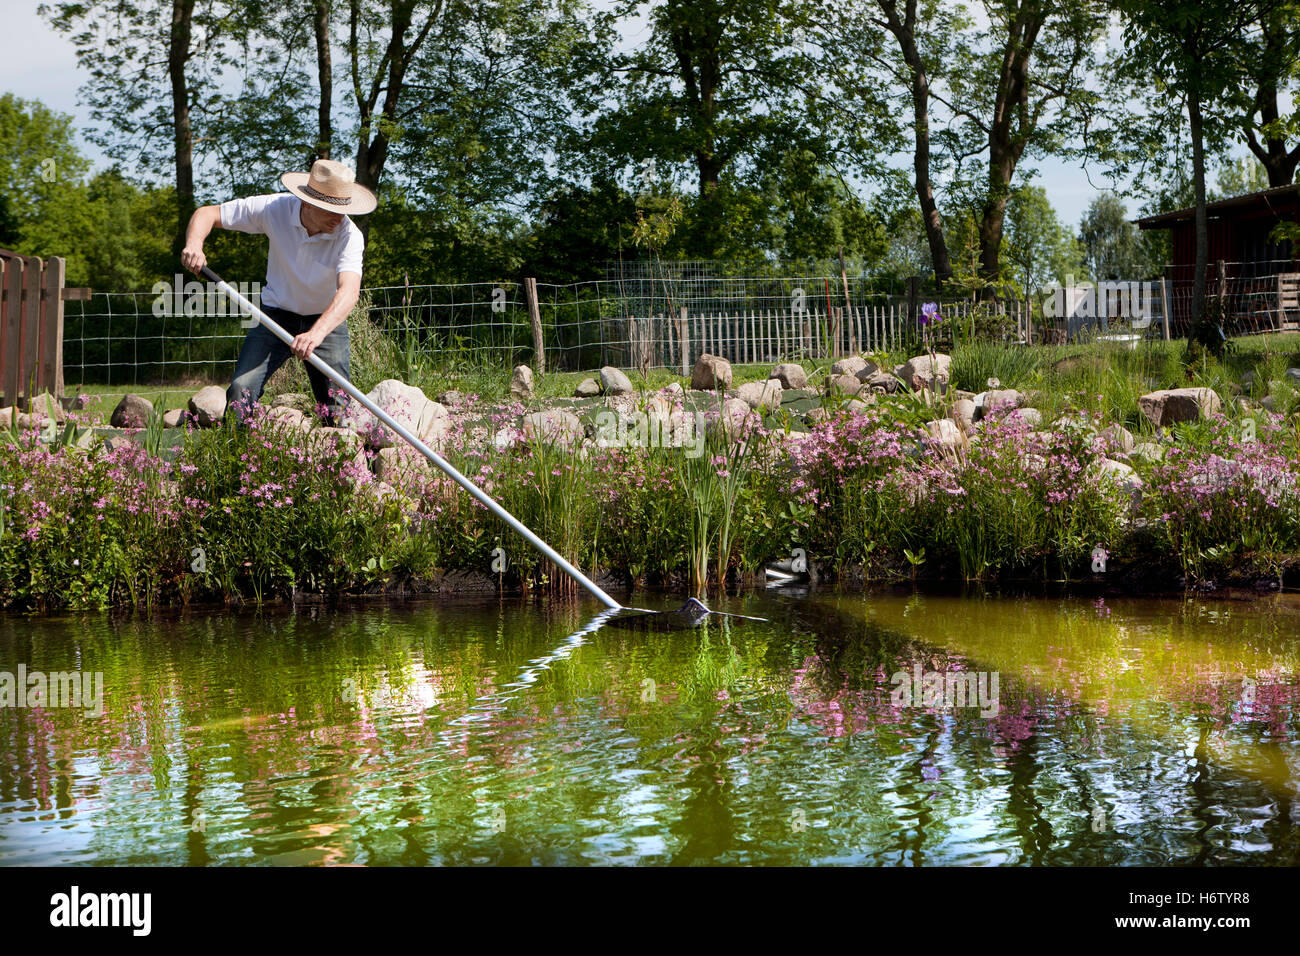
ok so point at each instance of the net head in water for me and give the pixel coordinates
(691, 614)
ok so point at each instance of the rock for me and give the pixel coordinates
(1003, 398)
(857, 406)
(1028, 417)
(854, 365)
(428, 421)
(711, 373)
(290, 417)
(674, 388)
(554, 425)
(394, 463)
(963, 413)
(815, 415)
(1248, 380)
(1148, 450)
(733, 420)
(790, 375)
(292, 400)
(174, 418)
(881, 381)
(42, 405)
(328, 441)
(131, 412)
(920, 372)
(760, 394)
(587, 388)
(1171, 405)
(208, 406)
(947, 433)
(521, 383)
(1119, 440)
(1292, 377)
(1107, 469)
(7, 416)
(450, 397)
(843, 385)
(504, 439)
(621, 404)
(614, 382)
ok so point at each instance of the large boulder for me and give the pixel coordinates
(947, 433)
(293, 400)
(133, 411)
(880, 381)
(733, 419)
(711, 373)
(394, 463)
(760, 394)
(208, 406)
(409, 407)
(174, 418)
(555, 426)
(963, 413)
(790, 375)
(925, 371)
(1172, 405)
(853, 365)
(845, 384)
(521, 383)
(614, 382)
(587, 388)
(1119, 440)
(997, 399)
(1107, 469)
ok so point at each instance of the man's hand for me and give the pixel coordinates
(192, 258)
(303, 345)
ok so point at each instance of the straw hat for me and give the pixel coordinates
(331, 186)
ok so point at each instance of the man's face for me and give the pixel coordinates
(316, 220)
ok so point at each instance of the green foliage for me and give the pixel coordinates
(974, 363)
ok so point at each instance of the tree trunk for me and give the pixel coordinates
(1279, 163)
(325, 77)
(178, 54)
(1198, 186)
(904, 31)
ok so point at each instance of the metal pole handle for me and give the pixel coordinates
(445, 466)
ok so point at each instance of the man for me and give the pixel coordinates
(313, 275)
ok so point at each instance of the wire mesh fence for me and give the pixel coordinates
(658, 319)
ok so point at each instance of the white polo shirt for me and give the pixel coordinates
(301, 270)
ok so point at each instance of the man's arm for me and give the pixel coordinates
(201, 223)
(345, 298)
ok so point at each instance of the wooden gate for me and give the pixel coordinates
(31, 327)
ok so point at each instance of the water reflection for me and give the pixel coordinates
(1142, 732)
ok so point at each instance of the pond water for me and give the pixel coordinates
(413, 733)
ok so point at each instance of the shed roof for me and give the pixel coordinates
(1263, 199)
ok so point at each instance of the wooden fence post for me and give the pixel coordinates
(51, 338)
(32, 267)
(684, 339)
(535, 318)
(1164, 304)
(11, 316)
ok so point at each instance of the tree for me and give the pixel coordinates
(1019, 88)
(720, 90)
(1197, 50)
(153, 66)
(1274, 68)
(1038, 247)
(1112, 245)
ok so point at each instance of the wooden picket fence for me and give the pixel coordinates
(761, 336)
(32, 294)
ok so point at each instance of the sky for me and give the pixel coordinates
(43, 65)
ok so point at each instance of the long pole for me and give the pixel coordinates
(418, 445)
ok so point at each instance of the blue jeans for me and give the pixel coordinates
(262, 353)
